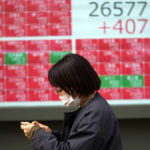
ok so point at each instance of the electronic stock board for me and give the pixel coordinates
(113, 35)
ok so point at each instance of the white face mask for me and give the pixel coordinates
(69, 101)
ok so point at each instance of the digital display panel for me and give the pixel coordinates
(113, 35)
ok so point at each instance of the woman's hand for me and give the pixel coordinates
(44, 127)
(26, 126)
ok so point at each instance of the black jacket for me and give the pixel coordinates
(93, 127)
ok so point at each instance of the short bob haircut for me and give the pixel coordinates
(73, 73)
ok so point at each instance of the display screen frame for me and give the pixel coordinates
(87, 20)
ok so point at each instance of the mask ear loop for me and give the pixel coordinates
(70, 92)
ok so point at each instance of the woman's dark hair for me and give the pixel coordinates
(73, 73)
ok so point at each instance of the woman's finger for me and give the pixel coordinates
(46, 128)
(35, 123)
(25, 123)
(25, 131)
(26, 134)
(23, 127)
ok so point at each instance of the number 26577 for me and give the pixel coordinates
(116, 9)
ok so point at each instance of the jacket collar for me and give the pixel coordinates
(82, 111)
(68, 115)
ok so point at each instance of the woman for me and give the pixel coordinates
(93, 126)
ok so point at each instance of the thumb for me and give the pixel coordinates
(36, 123)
